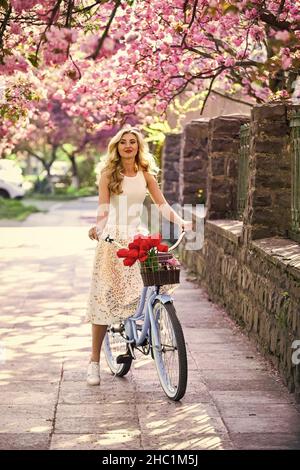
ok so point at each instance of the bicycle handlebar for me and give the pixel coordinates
(178, 241)
(111, 240)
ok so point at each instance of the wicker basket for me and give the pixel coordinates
(160, 275)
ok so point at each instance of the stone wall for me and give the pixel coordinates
(193, 162)
(170, 168)
(170, 180)
(223, 151)
(260, 291)
(268, 206)
(249, 266)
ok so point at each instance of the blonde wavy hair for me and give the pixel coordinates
(112, 163)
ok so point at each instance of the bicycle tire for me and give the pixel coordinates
(173, 391)
(117, 369)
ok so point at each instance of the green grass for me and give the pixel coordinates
(50, 197)
(64, 194)
(14, 209)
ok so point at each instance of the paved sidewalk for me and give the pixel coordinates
(233, 401)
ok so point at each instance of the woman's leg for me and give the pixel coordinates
(98, 333)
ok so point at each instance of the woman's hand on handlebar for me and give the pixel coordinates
(187, 225)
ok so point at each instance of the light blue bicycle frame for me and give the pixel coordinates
(147, 316)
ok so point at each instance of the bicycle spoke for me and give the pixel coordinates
(114, 346)
(169, 352)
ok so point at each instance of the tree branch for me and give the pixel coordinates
(31, 152)
(185, 5)
(54, 11)
(194, 13)
(236, 100)
(4, 24)
(208, 93)
(105, 33)
(69, 13)
(271, 20)
(281, 7)
(76, 66)
(89, 7)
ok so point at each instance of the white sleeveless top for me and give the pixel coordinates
(125, 209)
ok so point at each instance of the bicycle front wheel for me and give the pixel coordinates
(115, 345)
(170, 355)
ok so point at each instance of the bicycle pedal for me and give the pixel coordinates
(123, 359)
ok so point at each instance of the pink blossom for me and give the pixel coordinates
(15, 28)
(20, 5)
(283, 36)
(173, 262)
(229, 61)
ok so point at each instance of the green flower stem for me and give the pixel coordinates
(152, 261)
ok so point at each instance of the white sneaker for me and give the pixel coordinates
(93, 373)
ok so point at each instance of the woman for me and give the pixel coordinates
(115, 289)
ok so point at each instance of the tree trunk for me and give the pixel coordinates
(50, 187)
(75, 177)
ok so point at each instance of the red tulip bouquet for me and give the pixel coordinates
(157, 266)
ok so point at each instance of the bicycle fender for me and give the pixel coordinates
(164, 298)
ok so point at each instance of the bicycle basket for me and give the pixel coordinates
(158, 271)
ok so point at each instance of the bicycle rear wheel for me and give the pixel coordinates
(114, 346)
(170, 357)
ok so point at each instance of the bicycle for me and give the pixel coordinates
(158, 333)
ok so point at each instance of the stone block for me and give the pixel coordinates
(231, 168)
(268, 146)
(192, 164)
(227, 125)
(218, 165)
(223, 145)
(261, 198)
(272, 112)
(271, 180)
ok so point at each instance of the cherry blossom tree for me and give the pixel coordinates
(110, 61)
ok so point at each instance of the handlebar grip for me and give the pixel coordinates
(178, 241)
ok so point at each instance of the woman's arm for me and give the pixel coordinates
(160, 201)
(103, 203)
(103, 208)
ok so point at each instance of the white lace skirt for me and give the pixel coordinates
(115, 289)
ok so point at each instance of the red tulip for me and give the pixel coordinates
(143, 255)
(133, 254)
(134, 246)
(155, 239)
(140, 248)
(122, 253)
(145, 245)
(129, 261)
(162, 247)
(138, 238)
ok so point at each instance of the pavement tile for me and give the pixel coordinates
(186, 440)
(117, 418)
(24, 441)
(27, 392)
(256, 384)
(200, 418)
(106, 441)
(263, 424)
(26, 418)
(33, 368)
(79, 392)
(242, 396)
(258, 409)
(266, 440)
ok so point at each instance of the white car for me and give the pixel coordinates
(11, 180)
